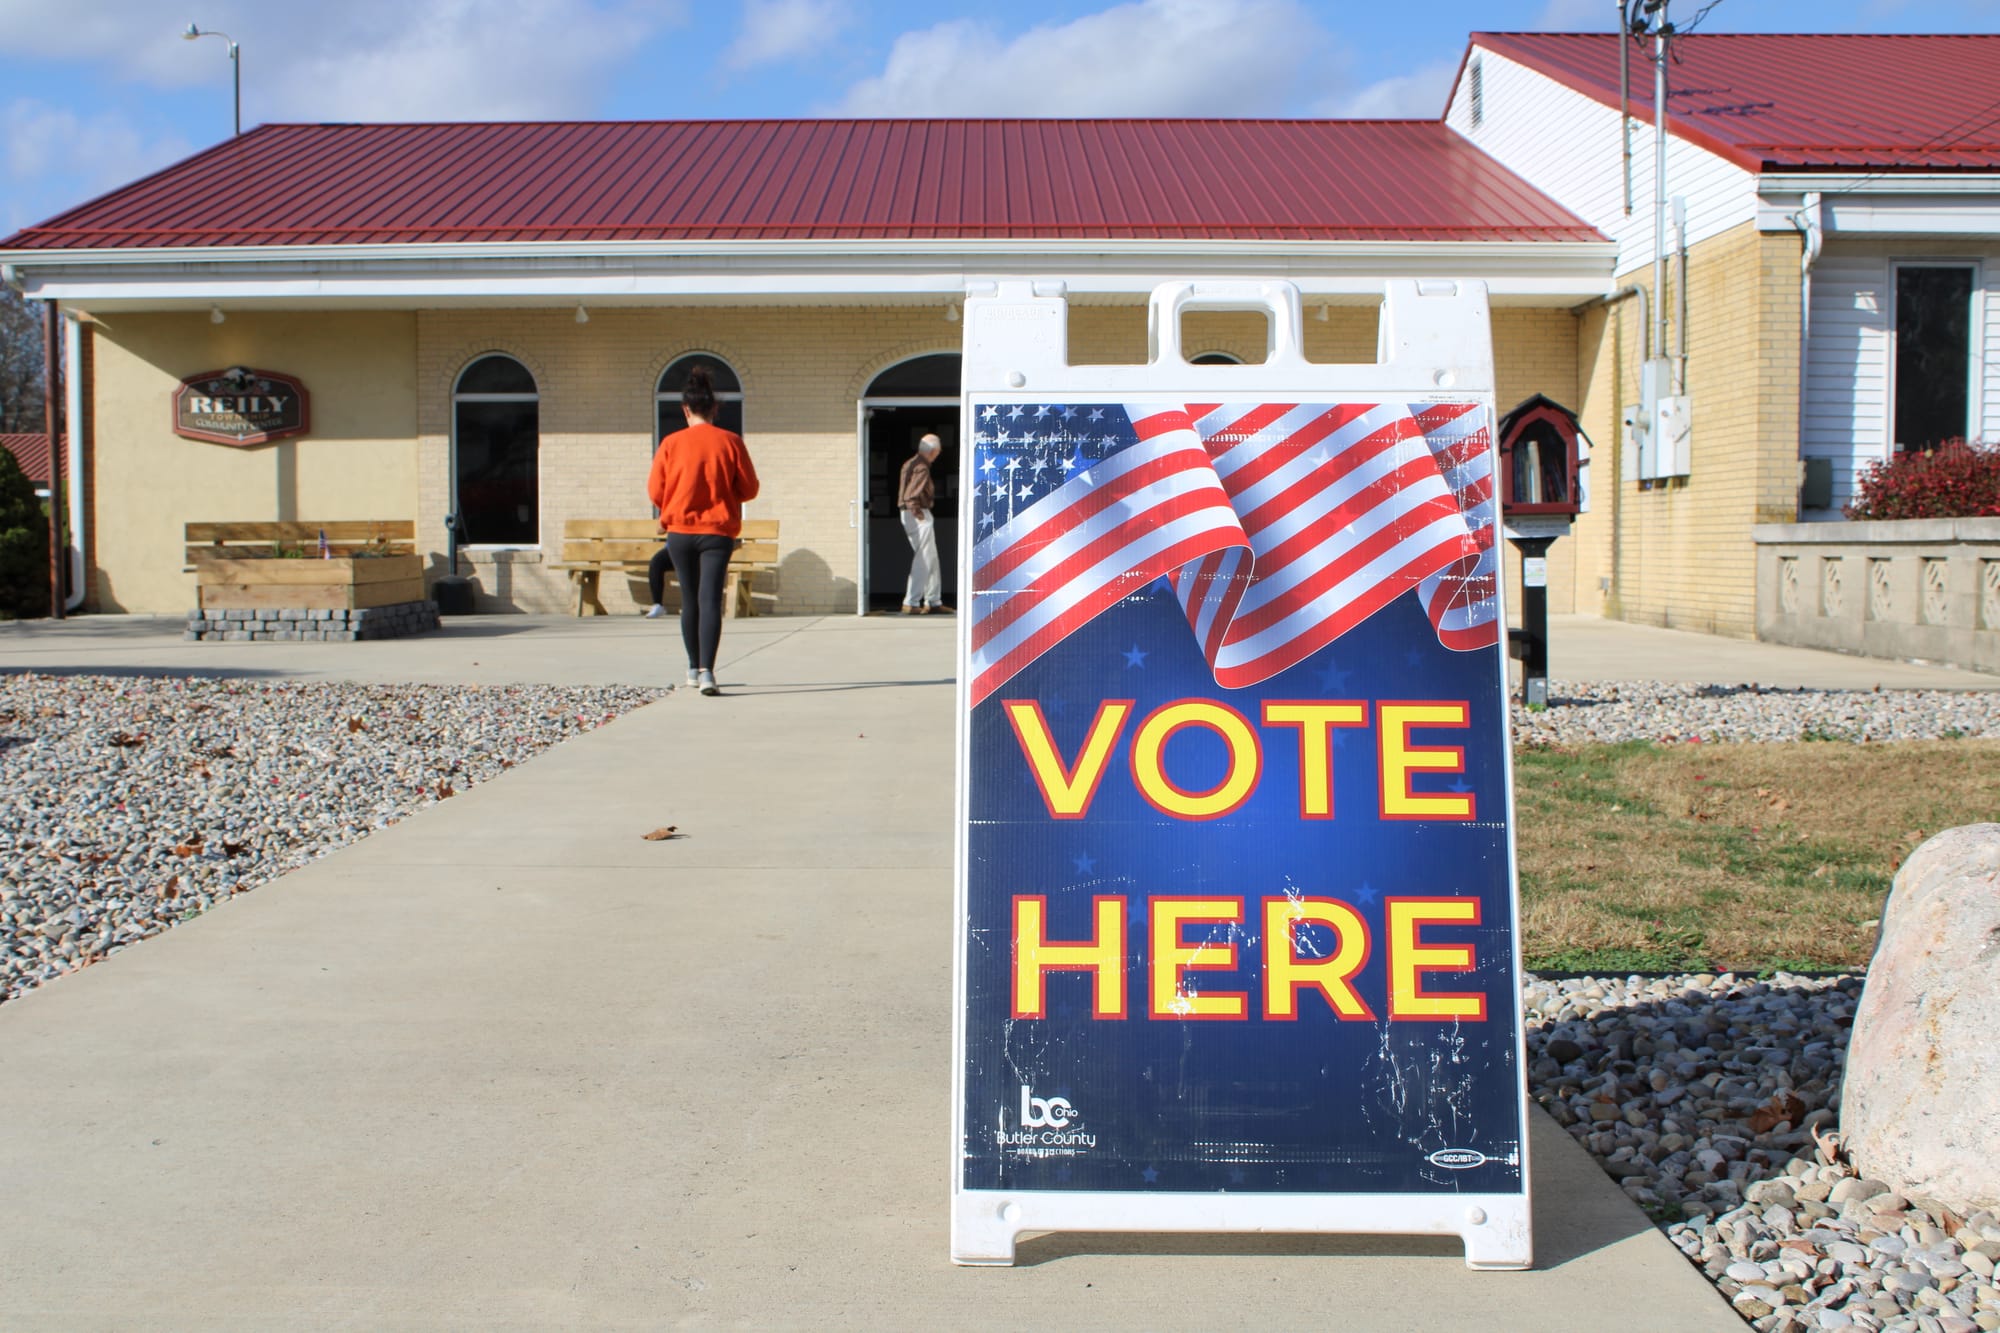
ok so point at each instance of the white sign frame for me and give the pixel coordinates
(1434, 342)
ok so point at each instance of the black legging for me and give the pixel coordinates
(701, 565)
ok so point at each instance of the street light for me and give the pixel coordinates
(235, 64)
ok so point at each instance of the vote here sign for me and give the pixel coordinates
(1236, 901)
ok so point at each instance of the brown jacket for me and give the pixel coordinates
(916, 495)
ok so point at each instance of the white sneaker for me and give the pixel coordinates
(693, 680)
(705, 682)
(655, 611)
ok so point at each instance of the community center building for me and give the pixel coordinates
(488, 324)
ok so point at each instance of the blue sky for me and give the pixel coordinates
(99, 92)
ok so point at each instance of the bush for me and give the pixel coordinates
(24, 544)
(1955, 480)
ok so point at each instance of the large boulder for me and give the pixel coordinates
(1920, 1105)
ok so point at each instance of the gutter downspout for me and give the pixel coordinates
(1811, 224)
(1617, 487)
(73, 423)
(51, 425)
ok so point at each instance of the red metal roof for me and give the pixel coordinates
(1305, 180)
(1801, 102)
(32, 453)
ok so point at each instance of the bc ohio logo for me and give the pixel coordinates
(1044, 1112)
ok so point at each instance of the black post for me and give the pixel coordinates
(451, 590)
(1534, 619)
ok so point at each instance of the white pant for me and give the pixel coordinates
(926, 578)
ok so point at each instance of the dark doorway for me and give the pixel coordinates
(1933, 354)
(893, 433)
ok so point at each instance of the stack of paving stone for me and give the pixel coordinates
(299, 625)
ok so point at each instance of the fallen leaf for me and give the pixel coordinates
(445, 791)
(126, 740)
(1784, 1107)
(660, 834)
(1763, 791)
(235, 848)
(1781, 805)
(185, 849)
(355, 724)
(172, 888)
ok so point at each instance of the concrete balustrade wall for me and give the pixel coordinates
(1923, 589)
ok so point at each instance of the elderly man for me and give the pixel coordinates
(916, 495)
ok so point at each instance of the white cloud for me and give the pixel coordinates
(775, 31)
(1421, 94)
(1149, 58)
(52, 159)
(361, 59)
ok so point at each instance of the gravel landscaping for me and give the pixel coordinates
(1703, 1096)
(1613, 711)
(134, 803)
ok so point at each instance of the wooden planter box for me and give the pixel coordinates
(348, 583)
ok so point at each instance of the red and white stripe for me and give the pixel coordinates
(1344, 507)
(1462, 599)
(1151, 508)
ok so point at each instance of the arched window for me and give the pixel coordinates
(668, 417)
(1216, 359)
(933, 376)
(496, 436)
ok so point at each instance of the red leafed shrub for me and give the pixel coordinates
(1954, 480)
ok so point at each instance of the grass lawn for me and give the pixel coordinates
(1645, 857)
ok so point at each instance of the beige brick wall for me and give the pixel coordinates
(146, 482)
(802, 370)
(1679, 551)
(383, 386)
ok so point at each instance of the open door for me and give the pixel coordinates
(906, 402)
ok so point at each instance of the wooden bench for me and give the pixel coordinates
(594, 546)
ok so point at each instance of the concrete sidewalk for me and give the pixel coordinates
(508, 1065)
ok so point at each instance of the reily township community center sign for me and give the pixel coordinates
(1236, 909)
(241, 406)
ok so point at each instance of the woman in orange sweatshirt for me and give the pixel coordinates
(701, 476)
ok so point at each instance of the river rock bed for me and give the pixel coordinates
(130, 804)
(1713, 1101)
(1613, 711)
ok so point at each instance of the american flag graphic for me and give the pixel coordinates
(1460, 599)
(1280, 526)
